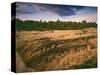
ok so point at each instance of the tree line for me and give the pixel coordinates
(52, 25)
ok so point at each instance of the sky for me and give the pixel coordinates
(51, 12)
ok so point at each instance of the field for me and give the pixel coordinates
(56, 49)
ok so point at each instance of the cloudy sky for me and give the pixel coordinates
(33, 11)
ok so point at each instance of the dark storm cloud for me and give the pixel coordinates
(61, 10)
(64, 10)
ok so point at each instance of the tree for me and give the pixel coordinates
(84, 21)
(52, 25)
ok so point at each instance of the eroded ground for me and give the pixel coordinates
(56, 49)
